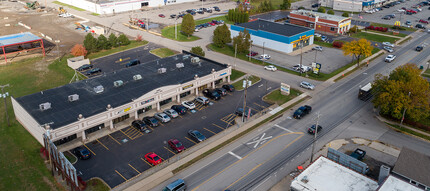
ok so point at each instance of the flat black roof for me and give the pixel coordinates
(285, 29)
(63, 112)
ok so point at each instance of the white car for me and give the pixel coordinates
(317, 35)
(388, 49)
(189, 105)
(202, 100)
(401, 10)
(388, 44)
(306, 85)
(164, 118)
(304, 68)
(270, 68)
(390, 58)
(319, 48)
(265, 56)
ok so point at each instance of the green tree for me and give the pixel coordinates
(246, 17)
(242, 41)
(345, 14)
(103, 43)
(113, 40)
(353, 29)
(270, 6)
(301, 7)
(221, 36)
(321, 10)
(197, 50)
(357, 49)
(188, 25)
(330, 12)
(403, 90)
(286, 4)
(123, 40)
(90, 43)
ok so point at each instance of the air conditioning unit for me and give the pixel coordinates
(180, 65)
(162, 70)
(118, 83)
(195, 60)
(186, 56)
(45, 106)
(137, 77)
(74, 97)
(99, 89)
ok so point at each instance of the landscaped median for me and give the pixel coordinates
(102, 53)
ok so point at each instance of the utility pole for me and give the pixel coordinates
(245, 84)
(404, 111)
(48, 134)
(235, 53)
(4, 95)
(316, 51)
(250, 48)
(315, 136)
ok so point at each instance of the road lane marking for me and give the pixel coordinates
(146, 162)
(217, 126)
(102, 144)
(299, 133)
(90, 150)
(114, 139)
(259, 141)
(276, 125)
(235, 155)
(134, 168)
(249, 172)
(170, 150)
(262, 183)
(190, 140)
(121, 175)
(209, 131)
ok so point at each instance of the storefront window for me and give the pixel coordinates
(185, 94)
(143, 110)
(94, 129)
(201, 88)
(65, 139)
(166, 101)
(122, 118)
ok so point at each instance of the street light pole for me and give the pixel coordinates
(315, 136)
(4, 95)
(404, 111)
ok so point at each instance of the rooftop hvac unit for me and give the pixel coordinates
(99, 89)
(74, 97)
(186, 56)
(180, 65)
(162, 70)
(118, 83)
(195, 60)
(137, 77)
(45, 106)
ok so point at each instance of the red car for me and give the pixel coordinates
(176, 145)
(211, 23)
(411, 11)
(423, 21)
(153, 158)
(161, 15)
(252, 53)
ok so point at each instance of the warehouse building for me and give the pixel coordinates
(351, 5)
(321, 22)
(75, 110)
(275, 36)
(117, 6)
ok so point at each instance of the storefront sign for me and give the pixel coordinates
(124, 110)
(223, 74)
(147, 101)
(316, 67)
(186, 87)
(285, 89)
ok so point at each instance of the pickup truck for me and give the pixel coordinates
(302, 111)
(358, 154)
(390, 58)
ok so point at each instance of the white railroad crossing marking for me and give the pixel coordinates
(235, 155)
(258, 140)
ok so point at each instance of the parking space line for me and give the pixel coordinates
(161, 158)
(161, 124)
(125, 134)
(121, 175)
(253, 109)
(209, 131)
(134, 168)
(145, 161)
(180, 116)
(190, 140)
(89, 149)
(170, 150)
(235, 155)
(114, 139)
(217, 126)
(102, 144)
(259, 105)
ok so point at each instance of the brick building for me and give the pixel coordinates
(320, 21)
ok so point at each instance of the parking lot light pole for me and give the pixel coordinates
(4, 95)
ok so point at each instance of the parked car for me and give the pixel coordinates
(173, 16)
(307, 85)
(150, 121)
(388, 44)
(265, 56)
(228, 87)
(270, 68)
(388, 49)
(408, 23)
(315, 5)
(302, 68)
(180, 109)
(196, 135)
(419, 48)
(401, 10)
(202, 100)
(189, 105)
(132, 63)
(423, 21)
(221, 91)
(324, 38)
(82, 153)
(161, 15)
(390, 58)
(176, 145)
(171, 113)
(420, 26)
(217, 8)
(302, 111)
(317, 35)
(318, 48)
(85, 67)
(252, 53)
(311, 129)
(153, 158)
(164, 118)
(141, 126)
(93, 71)
(358, 154)
(211, 94)
(386, 17)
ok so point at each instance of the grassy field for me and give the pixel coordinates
(162, 52)
(235, 74)
(169, 31)
(426, 73)
(239, 84)
(325, 44)
(400, 35)
(22, 167)
(133, 44)
(67, 5)
(275, 3)
(275, 97)
(96, 185)
(374, 37)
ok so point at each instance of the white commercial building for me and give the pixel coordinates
(395, 184)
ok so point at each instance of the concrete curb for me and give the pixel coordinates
(404, 126)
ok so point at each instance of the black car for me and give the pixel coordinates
(358, 154)
(420, 26)
(180, 109)
(221, 91)
(173, 16)
(132, 63)
(200, 12)
(94, 71)
(196, 135)
(419, 48)
(141, 126)
(315, 5)
(228, 87)
(311, 129)
(302, 111)
(211, 94)
(150, 121)
(85, 67)
(82, 153)
(217, 8)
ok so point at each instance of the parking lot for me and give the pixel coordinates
(119, 156)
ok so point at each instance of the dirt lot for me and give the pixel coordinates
(48, 23)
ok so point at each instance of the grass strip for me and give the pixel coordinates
(325, 44)
(191, 162)
(391, 27)
(133, 44)
(408, 131)
(67, 5)
(235, 74)
(426, 75)
(162, 52)
(406, 40)
(95, 14)
(96, 184)
(275, 97)
(374, 37)
(400, 35)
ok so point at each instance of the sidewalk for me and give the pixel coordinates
(404, 126)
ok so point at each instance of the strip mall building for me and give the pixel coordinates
(320, 21)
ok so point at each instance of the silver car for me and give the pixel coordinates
(202, 100)
(162, 117)
(171, 113)
(388, 49)
(307, 85)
